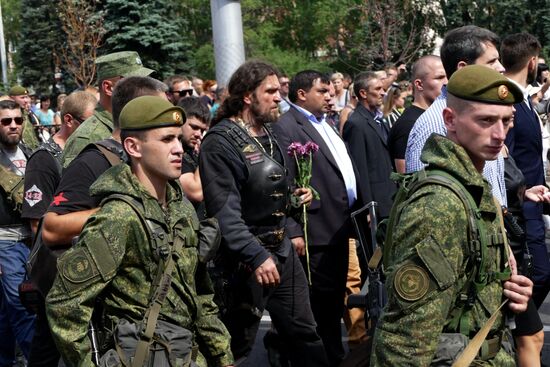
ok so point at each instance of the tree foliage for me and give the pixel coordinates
(376, 33)
(503, 17)
(40, 36)
(153, 28)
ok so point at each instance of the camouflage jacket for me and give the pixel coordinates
(114, 260)
(429, 265)
(28, 136)
(98, 127)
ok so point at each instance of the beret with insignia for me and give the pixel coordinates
(147, 112)
(482, 84)
(18, 90)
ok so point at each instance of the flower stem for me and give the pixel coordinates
(307, 246)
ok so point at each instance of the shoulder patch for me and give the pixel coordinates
(33, 195)
(411, 282)
(78, 267)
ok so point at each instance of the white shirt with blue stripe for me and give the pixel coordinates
(337, 149)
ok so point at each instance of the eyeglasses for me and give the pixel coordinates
(183, 92)
(6, 121)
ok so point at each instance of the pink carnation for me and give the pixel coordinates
(296, 149)
(311, 147)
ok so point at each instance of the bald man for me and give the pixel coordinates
(428, 76)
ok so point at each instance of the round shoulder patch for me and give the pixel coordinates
(411, 282)
(79, 267)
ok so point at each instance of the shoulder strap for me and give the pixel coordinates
(55, 153)
(110, 150)
(160, 286)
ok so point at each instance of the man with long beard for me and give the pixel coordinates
(245, 187)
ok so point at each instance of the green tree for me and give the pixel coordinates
(153, 28)
(374, 33)
(41, 34)
(11, 15)
(503, 17)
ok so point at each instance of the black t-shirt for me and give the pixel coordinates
(41, 179)
(73, 192)
(399, 133)
(190, 161)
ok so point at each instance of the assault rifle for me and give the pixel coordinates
(373, 294)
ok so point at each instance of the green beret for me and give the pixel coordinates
(147, 112)
(18, 90)
(125, 63)
(482, 84)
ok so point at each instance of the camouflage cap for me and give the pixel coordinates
(18, 90)
(147, 112)
(482, 84)
(125, 63)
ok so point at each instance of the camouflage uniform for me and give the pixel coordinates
(95, 128)
(114, 260)
(429, 263)
(29, 134)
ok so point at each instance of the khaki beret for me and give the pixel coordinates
(147, 112)
(482, 84)
(18, 90)
(125, 63)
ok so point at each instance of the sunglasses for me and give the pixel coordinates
(6, 121)
(183, 92)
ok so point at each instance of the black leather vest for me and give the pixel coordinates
(265, 195)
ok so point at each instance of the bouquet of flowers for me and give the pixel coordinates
(303, 154)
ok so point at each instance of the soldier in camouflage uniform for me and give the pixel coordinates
(21, 95)
(436, 302)
(110, 69)
(113, 258)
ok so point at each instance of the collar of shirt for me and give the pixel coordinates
(443, 93)
(311, 117)
(523, 90)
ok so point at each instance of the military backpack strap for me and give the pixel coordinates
(55, 152)
(160, 286)
(11, 183)
(112, 157)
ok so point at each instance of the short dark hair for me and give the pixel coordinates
(362, 80)
(517, 49)
(9, 104)
(244, 80)
(133, 87)
(193, 107)
(44, 98)
(304, 80)
(176, 79)
(465, 44)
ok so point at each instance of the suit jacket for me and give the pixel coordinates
(328, 218)
(524, 141)
(370, 153)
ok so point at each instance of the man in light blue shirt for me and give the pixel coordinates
(462, 46)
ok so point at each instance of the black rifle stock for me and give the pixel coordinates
(373, 294)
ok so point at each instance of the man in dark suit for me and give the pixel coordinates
(367, 135)
(329, 224)
(519, 55)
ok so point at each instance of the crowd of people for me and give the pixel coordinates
(153, 222)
